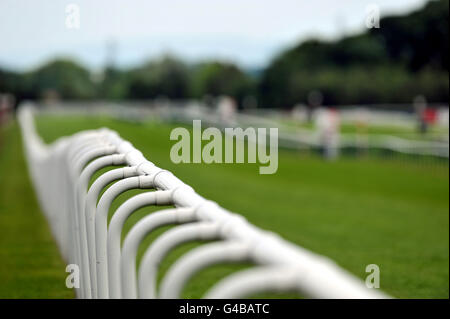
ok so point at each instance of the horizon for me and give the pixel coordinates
(127, 35)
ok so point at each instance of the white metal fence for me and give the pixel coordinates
(290, 136)
(78, 218)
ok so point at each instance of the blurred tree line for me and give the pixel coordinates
(407, 56)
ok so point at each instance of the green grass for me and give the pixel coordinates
(356, 211)
(30, 264)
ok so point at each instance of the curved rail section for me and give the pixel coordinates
(78, 217)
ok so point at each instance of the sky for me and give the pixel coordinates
(128, 32)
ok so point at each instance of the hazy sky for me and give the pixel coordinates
(248, 32)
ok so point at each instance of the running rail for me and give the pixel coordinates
(61, 172)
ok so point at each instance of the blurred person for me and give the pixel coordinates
(226, 109)
(7, 102)
(6, 108)
(328, 124)
(443, 117)
(426, 115)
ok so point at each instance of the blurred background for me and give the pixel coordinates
(323, 67)
(359, 91)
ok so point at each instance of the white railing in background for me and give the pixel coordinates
(61, 173)
(290, 136)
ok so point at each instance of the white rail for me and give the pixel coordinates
(290, 137)
(61, 173)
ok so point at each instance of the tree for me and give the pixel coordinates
(219, 78)
(419, 39)
(167, 77)
(114, 84)
(389, 64)
(67, 78)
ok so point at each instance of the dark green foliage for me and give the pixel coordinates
(405, 57)
(67, 78)
(419, 39)
(217, 78)
(167, 77)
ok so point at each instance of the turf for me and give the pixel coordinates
(357, 211)
(30, 264)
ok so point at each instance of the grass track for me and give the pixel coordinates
(356, 211)
(30, 264)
